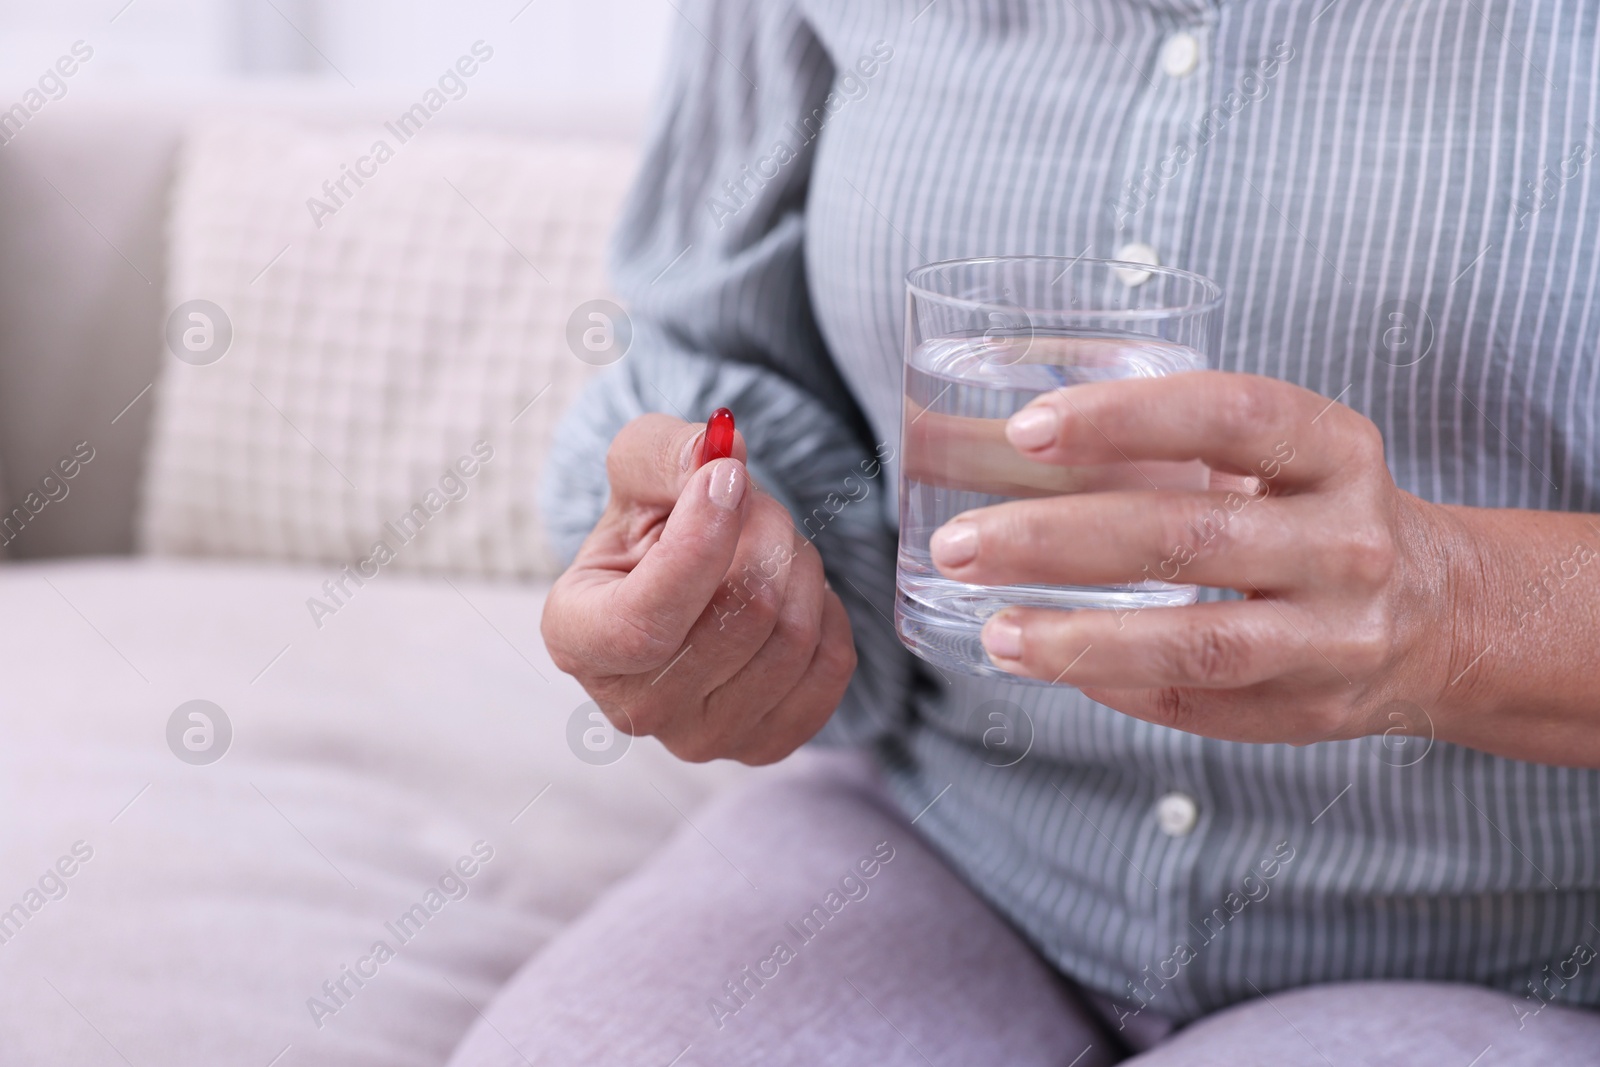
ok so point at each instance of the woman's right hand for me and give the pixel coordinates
(695, 611)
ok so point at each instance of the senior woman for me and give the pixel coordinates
(1347, 812)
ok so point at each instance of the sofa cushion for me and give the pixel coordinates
(382, 342)
(408, 775)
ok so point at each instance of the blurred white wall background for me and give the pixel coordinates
(601, 55)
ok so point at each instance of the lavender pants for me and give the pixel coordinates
(802, 921)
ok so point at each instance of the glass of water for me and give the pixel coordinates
(983, 338)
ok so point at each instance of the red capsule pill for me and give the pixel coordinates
(719, 436)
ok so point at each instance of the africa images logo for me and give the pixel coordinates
(199, 332)
(199, 732)
(593, 738)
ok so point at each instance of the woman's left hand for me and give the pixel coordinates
(1346, 577)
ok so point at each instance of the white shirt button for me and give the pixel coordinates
(1135, 252)
(1180, 55)
(1176, 814)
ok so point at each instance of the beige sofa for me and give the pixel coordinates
(412, 773)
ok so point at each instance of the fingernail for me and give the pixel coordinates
(690, 451)
(954, 543)
(727, 484)
(1002, 639)
(1033, 428)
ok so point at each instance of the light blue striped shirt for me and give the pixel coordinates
(1396, 196)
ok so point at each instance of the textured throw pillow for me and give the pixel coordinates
(369, 343)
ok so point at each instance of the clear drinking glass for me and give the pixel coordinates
(983, 338)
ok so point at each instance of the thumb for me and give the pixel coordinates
(668, 590)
